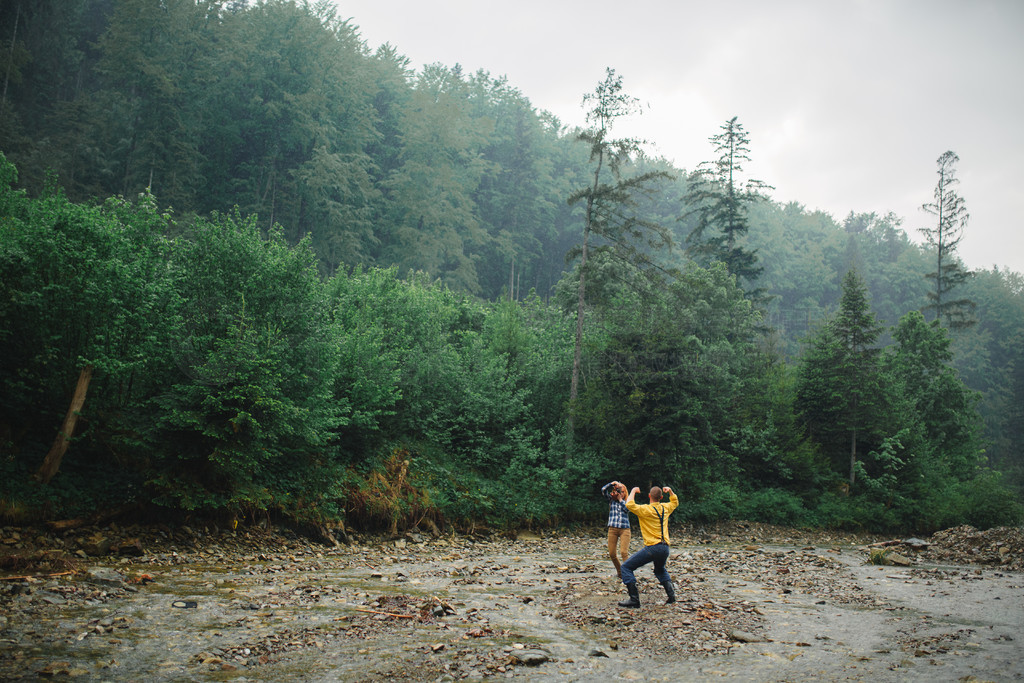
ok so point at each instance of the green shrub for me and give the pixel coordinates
(986, 502)
(82, 486)
(773, 506)
(718, 501)
(835, 512)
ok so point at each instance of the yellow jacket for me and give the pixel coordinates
(653, 519)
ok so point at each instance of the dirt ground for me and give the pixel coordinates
(755, 603)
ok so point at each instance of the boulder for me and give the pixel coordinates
(104, 577)
(531, 657)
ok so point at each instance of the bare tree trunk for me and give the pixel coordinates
(853, 457)
(578, 348)
(51, 463)
(10, 55)
(577, 358)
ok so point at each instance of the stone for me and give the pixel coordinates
(51, 598)
(104, 577)
(898, 560)
(131, 547)
(745, 637)
(97, 545)
(531, 657)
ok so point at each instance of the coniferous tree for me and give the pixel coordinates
(938, 404)
(517, 195)
(720, 201)
(156, 67)
(47, 66)
(838, 390)
(608, 197)
(951, 216)
(433, 224)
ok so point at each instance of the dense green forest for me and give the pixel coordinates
(250, 267)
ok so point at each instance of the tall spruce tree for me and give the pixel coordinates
(608, 199)
(720, 201)
(945, 235)
(838, 386)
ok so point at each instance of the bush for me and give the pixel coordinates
(835, 512)
(986, 502)
(83, 486)
(394, 493)
(855, 513)
(773, 506)
(717, 502)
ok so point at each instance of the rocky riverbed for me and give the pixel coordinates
(755, 603)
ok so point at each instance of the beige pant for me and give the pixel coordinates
(618, 540)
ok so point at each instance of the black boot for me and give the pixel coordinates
(670, 590)
(634, 596)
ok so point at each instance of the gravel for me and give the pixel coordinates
(755, 602)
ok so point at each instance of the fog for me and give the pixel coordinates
(848, 105)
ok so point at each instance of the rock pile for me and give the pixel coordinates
(1001, 546)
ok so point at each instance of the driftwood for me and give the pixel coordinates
(914, 543)
(387, 614)
(51, 463)
(34, 576)
(98, 518)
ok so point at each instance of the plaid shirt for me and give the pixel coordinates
(617, 515)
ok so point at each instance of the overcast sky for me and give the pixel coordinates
(848, 103)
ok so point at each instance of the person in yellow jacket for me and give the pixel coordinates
(653, 519)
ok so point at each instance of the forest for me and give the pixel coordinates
(251, 268)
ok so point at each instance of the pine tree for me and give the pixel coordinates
(720, 202)
(608, 197)
(951, 216)
(838, 389)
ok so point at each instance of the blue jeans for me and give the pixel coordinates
(658, 554)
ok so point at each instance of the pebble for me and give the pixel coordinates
(287, 569)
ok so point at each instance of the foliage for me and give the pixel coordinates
(774, 506)
(838, 390)
(714, 502)
(720, 202)
(82, 287)
(983, 502)
(389, 494)
(246, 392)
(951, 216)
(608, 200)
(394, 277)
(666, 375)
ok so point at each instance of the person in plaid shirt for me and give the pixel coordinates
(619, 533)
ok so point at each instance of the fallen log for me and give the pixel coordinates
(34, 576)
(98, 518)
(388, 614)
